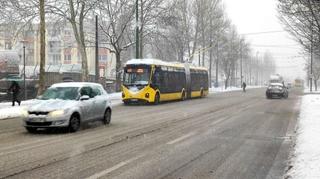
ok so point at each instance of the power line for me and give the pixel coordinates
(283, 45)
(274, 46)
(265, 32)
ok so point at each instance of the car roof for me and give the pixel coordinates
(75, 84)
(276, 84)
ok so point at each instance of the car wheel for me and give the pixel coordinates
(126, 102)
(31, 129)
(74, 124)
(157, 99)
(107, 117)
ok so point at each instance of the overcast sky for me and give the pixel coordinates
(255, 16)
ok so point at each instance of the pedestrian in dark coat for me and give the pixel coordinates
(244, 85)
(15, 89)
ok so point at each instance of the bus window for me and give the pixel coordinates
(156, 79)
(136, 76)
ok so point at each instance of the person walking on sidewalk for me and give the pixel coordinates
(244, 85)
(15, 89)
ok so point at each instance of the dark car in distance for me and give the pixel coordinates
(277, 90)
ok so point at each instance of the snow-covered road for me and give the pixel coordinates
(7, 111)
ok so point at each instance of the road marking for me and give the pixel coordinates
(109, 170)
(181, 138)
(218, 121)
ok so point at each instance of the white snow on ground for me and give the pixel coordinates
(307, 90)
(222, 90)
(306, 160)
(12, 112)
(7, 111)
(116, 98)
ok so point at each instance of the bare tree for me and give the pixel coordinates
(302, 19)
(76, 12)
(116, 22)
(25, 13)
(42, 47)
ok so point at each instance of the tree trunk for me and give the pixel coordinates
(80, 38)
(118, 74)
(217, 65)
(226, 83)
(316, 85)
(210, 68)
(42, 48)
(141, 30)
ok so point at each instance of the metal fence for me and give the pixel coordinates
(51, 78)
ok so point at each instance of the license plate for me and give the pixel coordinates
(134, 100)
(37, 119)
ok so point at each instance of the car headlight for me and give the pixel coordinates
(24, 113)
(56, 113)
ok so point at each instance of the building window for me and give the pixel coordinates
(103, 58)
(67, 59)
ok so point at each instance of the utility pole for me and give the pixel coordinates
(311, 57)
(217, 65)
(199, 58)
(241, 77)
(137, 29)
(24, 72)
(97, 51)
(210, 56)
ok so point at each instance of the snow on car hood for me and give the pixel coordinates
(51, 105)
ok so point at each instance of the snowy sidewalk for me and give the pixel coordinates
(306, 154)
(229, 89)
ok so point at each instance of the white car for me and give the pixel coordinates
(67, 105)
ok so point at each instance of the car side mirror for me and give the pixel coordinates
(84, 98)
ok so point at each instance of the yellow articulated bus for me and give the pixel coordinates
(155, 81)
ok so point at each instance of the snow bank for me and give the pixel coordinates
(9, 104)
(307, 90)
(222, 90)
(13, 112)
(116, 98)
(7, 111)
(306, 160)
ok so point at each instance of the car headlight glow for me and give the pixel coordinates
(56, 113)
(24, 113)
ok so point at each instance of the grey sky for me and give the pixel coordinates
(251, 16)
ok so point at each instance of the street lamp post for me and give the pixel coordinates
(97, 53)
(137, 29)
(241, 75)
(24, 72)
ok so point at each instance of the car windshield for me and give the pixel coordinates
(276, 86)
(136, 76)
(64, 93)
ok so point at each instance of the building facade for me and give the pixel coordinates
(61, 48)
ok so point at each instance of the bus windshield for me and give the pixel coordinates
(136, 76)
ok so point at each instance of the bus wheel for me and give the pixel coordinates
(157, 99)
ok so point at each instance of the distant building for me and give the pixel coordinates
(9, 63)
(61, 48)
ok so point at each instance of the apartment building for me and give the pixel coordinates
(61, 48)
